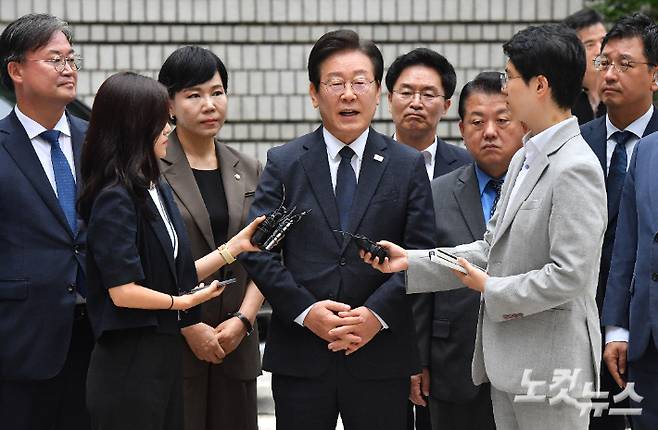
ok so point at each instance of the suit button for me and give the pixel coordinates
(342, 262)
(654, 277)
(71, 288)
(76, 249)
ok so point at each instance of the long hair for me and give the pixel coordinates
(129, 113)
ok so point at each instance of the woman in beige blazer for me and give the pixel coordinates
(213, 187)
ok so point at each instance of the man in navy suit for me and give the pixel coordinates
(420, 84)
(45, 336)
(341, 339)
(627, 67)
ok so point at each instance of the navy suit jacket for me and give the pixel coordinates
(632, 290)
(594, 133)
(393, 202)
(40, 258)
(449, 157)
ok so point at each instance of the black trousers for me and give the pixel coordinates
(57, 403)
(135, 381)
(644, 373)
(314, 403)
(418, 417)
(475, 414)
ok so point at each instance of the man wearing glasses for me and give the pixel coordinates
(538, 340)
(341, 340)
(626, 68)
(44, 331)
(420, 84)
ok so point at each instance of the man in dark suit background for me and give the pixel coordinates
(627, 67)
(589, 27)
(420, 84)
(464, 200)
(44, 332)
(341, 339)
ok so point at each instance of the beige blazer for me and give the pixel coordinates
(542, 252)
(239, 174)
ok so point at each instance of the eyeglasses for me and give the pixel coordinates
(602, 64)
(426, 97)
(505, 78)
(337, 88)
(75, 63)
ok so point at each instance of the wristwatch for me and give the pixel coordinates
(244, 320)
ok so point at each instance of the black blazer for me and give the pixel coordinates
(393, 202)
(40, 256)
(449, 157)
(594, 133)
(126, 245)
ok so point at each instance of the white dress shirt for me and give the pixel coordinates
(613, 333)
(42, 147)
(333, 148)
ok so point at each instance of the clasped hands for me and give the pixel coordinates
(398, 260)
(343, 328)
(214, 344)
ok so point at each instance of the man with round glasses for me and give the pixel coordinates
(44, 330)
(420, 84)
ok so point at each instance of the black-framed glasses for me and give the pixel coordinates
(426, 97)
(59, 63)
(337, 88)
(603, 63)
(505, 78)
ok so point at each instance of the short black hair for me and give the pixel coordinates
(554, 51)
(636, 25)
(189, 66)
(583, 18)
(26, 34)
(425, 57)
(484, 83)
(342, 40)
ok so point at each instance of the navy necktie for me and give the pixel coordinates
(617, 170)
(64, 181)
(496, 185)
(345, 186)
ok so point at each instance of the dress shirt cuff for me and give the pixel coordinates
(381, 321)
(615, 334)
(301, 317)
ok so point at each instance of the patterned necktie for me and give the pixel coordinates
(64, 181)
(345, 186)
(617, 170)
(496, 185)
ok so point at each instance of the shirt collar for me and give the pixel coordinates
(534, 145)
(33, 128)
(637, 127)
(483, 178)
(334, 145)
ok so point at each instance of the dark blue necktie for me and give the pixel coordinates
(64, 181)
(496, 185)
(617, 170)
(345, 186)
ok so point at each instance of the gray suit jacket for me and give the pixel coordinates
(542, 253)
(453, 315)
(239, 176)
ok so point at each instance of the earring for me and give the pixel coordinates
(172, 119)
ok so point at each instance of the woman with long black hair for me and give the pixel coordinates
(139, 265)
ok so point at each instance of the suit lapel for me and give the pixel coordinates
(534, 174)
(77, 141)
(443, 159)
(467, 195)
(20, 148)
(652, 126)
(234, 187)
(158, 226)
(598, 141)
(316, 167)
(181, 179)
